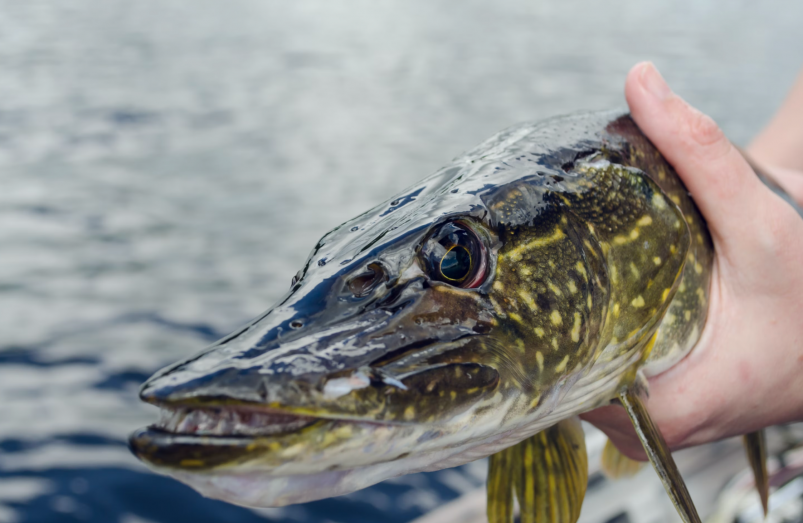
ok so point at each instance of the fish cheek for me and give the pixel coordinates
(550, 294)
(440, 392)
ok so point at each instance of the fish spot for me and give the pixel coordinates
(634, 270)
(572, 287)
(687, 315)
(453, 394)
(634, 234)
(191, 463)
(645, 220)
(673, 248)
(638, 302)
(665, 294)
(556, 318)
(528, 299)
(539, 331)
(539, 358)
(576, 329)
(616, 309)
(581, 269)
(698, 268)
(515, 317)
(619, 240)
(614, 274)
(498, 286)
(554, 289)
(555, 343)
(562, 365)
(656, 260)
(409, 413)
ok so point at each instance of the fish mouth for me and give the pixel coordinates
(207, 438)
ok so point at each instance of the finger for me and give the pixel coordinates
(721, 182)
(614, 422)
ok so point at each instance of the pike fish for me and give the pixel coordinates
(544, 273)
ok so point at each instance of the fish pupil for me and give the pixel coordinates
(456, 263)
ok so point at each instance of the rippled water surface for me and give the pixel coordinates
(165, 167)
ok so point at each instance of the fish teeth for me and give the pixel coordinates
(228, 422)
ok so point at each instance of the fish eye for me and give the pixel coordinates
(454, 254)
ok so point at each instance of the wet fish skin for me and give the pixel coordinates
(592, 249)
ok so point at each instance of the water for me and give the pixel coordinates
(165, 167)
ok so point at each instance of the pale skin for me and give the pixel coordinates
(746, 372)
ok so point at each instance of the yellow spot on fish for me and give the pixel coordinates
(614, 274)
(656, 260)
(645, 221)
(191, 463)
(616, 309)
(409, 413)
(534, 402)
(539, 331)
(555, 343)
(699, 238)
(540, 242)
(590, 303)
(562, 365)
(576, 328)
(526, 271)
(556, 318)
(520, 345)
(665, 294)
(658, 201)
(619, 240)
(634, 234)
(673, 248)
(572, 287)
(698, 268)
(581, 269)
(637, 302)
(687, 315)
(539, 358)
(453, 394)
(515, 317)
(634, 270)
(498, 286)
(689, 219)
(551, 264)
(675, 199)
(554, 289)
(669, 319)
(526, 298)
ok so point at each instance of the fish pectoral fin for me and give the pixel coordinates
(756, 447)
(616, 465)
(547, 471)
(660, 456)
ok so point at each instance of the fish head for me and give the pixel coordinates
(416, 336)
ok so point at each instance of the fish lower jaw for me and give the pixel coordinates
(229, 422)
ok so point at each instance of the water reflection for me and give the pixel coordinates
(166, 166)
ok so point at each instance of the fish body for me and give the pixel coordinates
(534, 278)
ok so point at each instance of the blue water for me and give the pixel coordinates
(166, 165)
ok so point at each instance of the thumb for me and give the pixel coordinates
(720, 181)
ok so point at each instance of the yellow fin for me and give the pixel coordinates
(549, 473)
(756, 448)
(616, 465)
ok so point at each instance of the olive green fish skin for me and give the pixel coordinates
(598, 264)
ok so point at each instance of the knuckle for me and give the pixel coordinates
(704, 130)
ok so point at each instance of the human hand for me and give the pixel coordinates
(746, 371)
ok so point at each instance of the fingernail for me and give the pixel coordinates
(653, 82)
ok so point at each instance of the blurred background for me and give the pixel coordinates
(165, 167)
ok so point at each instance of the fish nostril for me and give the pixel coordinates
(296, 324)
(362, 284)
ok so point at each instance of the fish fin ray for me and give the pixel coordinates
(616, 465)
(660, 456)
(756, 448)
(553, 474)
